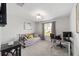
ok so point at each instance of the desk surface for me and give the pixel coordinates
(6, 46)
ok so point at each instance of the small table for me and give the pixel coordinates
(13, 50)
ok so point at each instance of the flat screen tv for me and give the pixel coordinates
(3, 18)
(67, 34)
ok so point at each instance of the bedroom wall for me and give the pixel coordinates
(62, 24)
(0, 35)
(15, 23)
(38, 27)
(73, 29)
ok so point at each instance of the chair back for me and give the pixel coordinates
(52, 36)
(58, 37)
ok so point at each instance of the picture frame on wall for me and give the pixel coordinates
(27, 26)
(77, 18)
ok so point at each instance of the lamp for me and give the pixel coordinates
(39, 16)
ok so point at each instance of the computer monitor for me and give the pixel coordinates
(67, 34)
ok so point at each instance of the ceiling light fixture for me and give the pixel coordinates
(39, 16)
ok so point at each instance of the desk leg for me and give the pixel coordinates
(2, 53)
(69, 49)
(20, 51)
(16, 51)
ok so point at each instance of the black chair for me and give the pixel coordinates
(52, 36)
(59, 38)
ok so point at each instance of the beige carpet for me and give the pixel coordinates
(43, 48)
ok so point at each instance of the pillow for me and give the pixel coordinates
(36, 35)
(30, 36)
(25, 37)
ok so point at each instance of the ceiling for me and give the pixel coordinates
(46, 10)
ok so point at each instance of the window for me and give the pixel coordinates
(47, 29)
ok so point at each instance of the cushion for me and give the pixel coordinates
(25, 37)
(30, 36)
(36, 35)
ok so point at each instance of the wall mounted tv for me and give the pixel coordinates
(3, 19)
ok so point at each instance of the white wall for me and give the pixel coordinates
(62, 24)
(0, 35)
(73, 29)
(15, 23)
(38, 28)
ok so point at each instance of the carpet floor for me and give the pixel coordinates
(43, 48)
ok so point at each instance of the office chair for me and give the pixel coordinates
(59, 38)
(52, 36)
(53, 41)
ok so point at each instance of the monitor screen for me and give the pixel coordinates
(67, 34)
